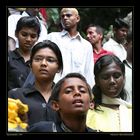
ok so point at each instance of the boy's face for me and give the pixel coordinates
(74, 98)
(121, 34)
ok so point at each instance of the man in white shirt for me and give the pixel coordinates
(115, 44)
(12, 22)
(77, 52)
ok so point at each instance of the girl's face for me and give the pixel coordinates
(44, 64)
(27, 38)
(110, 80)
(74, 97)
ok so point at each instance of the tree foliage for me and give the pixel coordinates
(104, 16)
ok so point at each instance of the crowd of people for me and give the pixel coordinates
(70, 83)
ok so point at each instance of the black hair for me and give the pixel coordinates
(99, 29)
(99, 65)
(119, 23)
(51, 45)
(58, 85)
(30, 22)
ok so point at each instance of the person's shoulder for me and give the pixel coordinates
(93, 113)
(43, 126)
(109, 43)
(53, 33)
(11, 52)
(13, 93)
(13, 55)
(127, 104)
(14, 17)
(92, 130)
(16, 92)
(85, 41)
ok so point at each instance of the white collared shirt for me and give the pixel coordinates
(77, 55)
(116, 48)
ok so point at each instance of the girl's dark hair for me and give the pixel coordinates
(99, 65)
(30, 22)
(51, 45)
(58, 85)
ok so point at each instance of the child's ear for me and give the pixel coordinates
(55, 105)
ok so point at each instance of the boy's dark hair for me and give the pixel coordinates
(30, 22)
(57, 87)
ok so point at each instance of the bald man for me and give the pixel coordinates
(68, 12)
